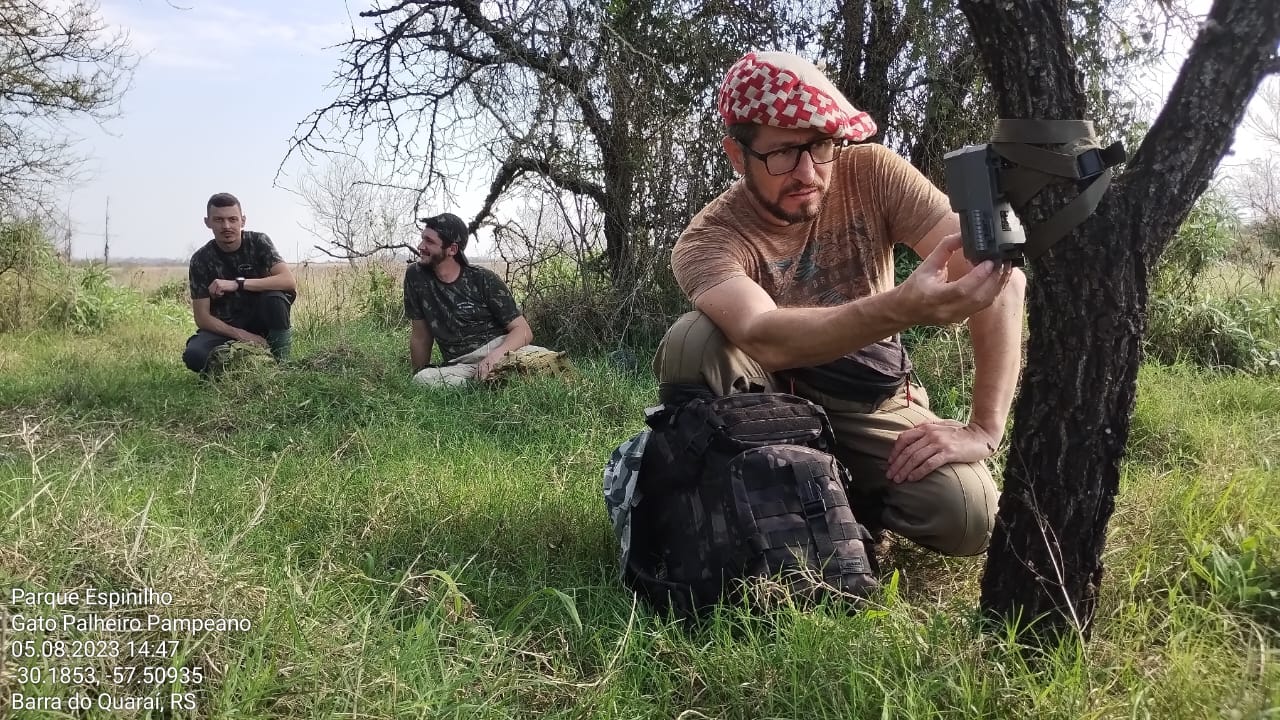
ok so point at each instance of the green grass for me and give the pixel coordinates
(409, 553)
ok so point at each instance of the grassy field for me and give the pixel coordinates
(402, 553)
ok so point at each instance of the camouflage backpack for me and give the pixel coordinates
(733, 489)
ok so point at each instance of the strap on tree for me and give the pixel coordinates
(1034, 167)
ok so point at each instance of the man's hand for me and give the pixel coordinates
(485, 366)
(218, 288)
(925, 448)
(930, 298)
(248, 337)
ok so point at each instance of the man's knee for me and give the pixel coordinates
(274, 308)
(694, 351)
(966, 509)
(199, 347)
(951, 510)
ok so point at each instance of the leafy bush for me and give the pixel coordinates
(88, 301)
(576, 309)
(175, 291)
(1210, 333)
(27, 259)
(1205, 238)
(380, 300)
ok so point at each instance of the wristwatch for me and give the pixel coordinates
(239, 284)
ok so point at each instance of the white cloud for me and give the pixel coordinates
(219, 35)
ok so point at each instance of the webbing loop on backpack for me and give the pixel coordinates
(810, 493)
(815, 508)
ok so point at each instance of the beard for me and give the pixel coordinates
(808, 211)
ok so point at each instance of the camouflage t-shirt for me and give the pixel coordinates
(463, 314)
(875, 199)
(253, 259)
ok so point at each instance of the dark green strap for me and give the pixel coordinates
(1041, 132)
(1042, 237)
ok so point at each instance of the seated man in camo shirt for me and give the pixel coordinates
(467, 309)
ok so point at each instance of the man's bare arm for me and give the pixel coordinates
(279, 278)
(996, 333)
(420, 342)
(781, 338)
(519, 334)
(206, 321)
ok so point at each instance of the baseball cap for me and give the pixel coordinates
(452, 231)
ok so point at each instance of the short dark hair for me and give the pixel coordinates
(221, 200)
(744, 133)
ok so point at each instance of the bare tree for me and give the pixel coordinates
(1256, 187)
(608, 101)
(57, 61)
(1087, 298)
(354, 213)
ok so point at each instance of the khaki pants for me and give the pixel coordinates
(463, 369)
(951, 510)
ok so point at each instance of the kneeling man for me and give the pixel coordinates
(467, 309)
(792, 273)
(241, 289)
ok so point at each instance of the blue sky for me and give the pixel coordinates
(215, 99)
(218, 92)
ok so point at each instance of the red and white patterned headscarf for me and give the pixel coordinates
(787, 91)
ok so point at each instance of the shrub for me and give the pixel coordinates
(576, 308)
(27, 262)
(1211, 333)
(89, 301)
(175, 291)
(380, 300)
(1204, 238)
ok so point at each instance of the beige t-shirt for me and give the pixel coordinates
(875, 199)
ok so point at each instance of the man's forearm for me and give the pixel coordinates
(803, 337)
(212, 324)
(271, 282)
(419, 353)
(996, 333)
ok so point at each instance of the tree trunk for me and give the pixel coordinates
(1087, 298)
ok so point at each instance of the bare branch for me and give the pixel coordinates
(55, 64)
(512, 170)
(1237, 40)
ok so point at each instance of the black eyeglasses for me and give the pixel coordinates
(781, 162)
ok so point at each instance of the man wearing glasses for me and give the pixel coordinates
(467, 309)
(791, 272)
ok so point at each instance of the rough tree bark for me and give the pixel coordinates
(1087, 298)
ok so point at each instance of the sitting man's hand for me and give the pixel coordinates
(248, 337)
(485, 366)
(220, 287)
(925, 448)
